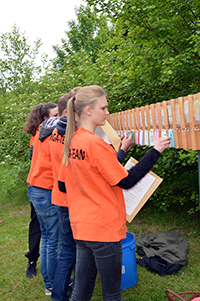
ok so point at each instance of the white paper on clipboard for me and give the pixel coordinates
(138, 195)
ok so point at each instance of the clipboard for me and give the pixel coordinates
(138, 195)
(112, 135)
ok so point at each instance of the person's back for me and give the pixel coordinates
(56, 142)
(40, 174)
(100, 218)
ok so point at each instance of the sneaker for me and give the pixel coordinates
(31, 269)
(48, 291)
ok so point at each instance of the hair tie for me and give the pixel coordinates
(73, 103)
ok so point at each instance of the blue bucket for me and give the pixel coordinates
(129, 268)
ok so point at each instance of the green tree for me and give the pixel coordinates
(158, 44)
(140, 52)
(18, 64)
(150, 55)
(89, 33)
(150, 52)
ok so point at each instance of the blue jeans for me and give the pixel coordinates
(50, 231)
(67, 259)
(104, 257)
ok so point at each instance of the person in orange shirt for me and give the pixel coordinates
(38, 114)
(67, 259)
(40, 179)
(93, 179)
(62, 281)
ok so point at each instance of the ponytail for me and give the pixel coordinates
(71, 127)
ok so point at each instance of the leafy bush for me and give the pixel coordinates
(137, 63)
(179, 170)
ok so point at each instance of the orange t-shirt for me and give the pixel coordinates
(56, 143)
(31, 140)
(40, 174)
(96, 205)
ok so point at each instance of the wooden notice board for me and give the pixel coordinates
(177, 118)
(137, 196)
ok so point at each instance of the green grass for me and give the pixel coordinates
(14, 286)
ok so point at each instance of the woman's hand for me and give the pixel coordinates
(162, 144)
(127, 142)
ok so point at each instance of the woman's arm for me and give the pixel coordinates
(137, 172)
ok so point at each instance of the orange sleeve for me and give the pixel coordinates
(108, 165)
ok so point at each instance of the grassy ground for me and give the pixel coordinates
(14, 286)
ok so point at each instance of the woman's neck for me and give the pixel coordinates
(92, 130)
(88, 125)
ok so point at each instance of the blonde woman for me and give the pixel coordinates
(93, 179)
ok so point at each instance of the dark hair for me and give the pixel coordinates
(45, 110)
(62, 103)
(37, 116)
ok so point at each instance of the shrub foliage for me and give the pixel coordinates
(140, 52)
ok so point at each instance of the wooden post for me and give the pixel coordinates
(173, 125)
(183, 125)
(192, 123)
(196, 119)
